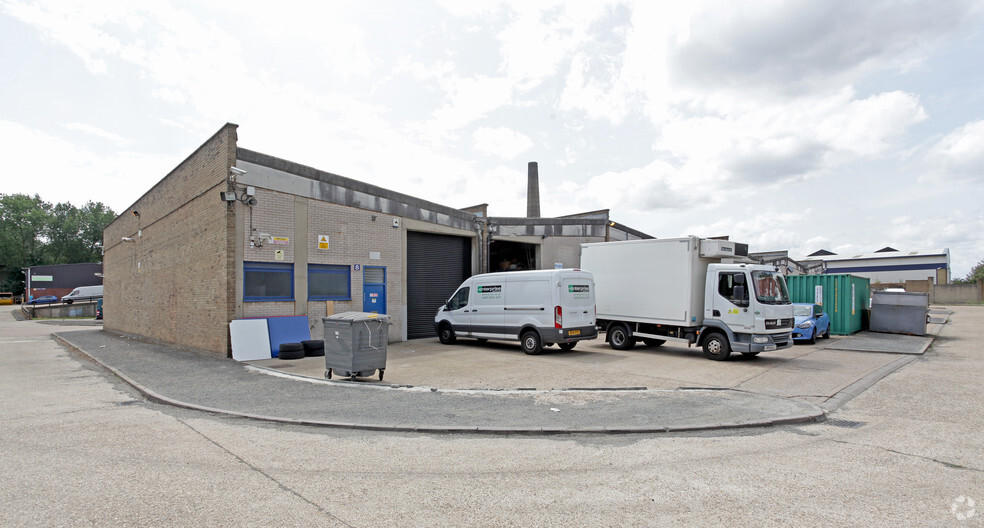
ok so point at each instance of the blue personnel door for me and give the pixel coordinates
(374, 289)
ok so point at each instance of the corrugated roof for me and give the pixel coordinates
(944, 252)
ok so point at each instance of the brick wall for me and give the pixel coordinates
(354, 235)
(171, 282)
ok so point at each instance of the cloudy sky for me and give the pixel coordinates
(796, 125)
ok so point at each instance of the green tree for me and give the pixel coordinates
(34, 232)
(74, 234)
(976, 273)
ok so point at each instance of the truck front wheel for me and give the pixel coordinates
(716, 347)
(618, 337)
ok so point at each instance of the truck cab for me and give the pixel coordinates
(749, 306)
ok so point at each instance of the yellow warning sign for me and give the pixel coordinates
(322, 241)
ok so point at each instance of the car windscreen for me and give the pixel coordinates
(802, 310)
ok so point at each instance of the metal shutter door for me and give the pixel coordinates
(436, 265)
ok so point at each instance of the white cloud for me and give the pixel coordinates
(503, 142)
(61, 171)
(958, 156)
(98, 132)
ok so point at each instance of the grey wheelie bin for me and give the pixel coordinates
(355, 344)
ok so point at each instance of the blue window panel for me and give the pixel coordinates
(327, 282)
(268, 281)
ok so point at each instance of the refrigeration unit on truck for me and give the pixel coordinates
(693, 289)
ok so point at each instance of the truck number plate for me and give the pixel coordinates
(770, 347)
(574, 332)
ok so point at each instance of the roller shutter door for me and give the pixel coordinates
(436, 265)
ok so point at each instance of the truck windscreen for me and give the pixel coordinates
(770, 288)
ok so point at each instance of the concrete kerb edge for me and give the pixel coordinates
(488, 430)
(858, 387)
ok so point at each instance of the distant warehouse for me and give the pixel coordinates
(889, 266)
(60, 279)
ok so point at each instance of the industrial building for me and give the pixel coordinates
(231, 233)
(888, 266)
(60, 279)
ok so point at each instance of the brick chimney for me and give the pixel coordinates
(533, 191)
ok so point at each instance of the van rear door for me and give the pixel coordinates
(577, 300)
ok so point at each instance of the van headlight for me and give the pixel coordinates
(760, 340)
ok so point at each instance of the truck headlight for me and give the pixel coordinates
(760, 340)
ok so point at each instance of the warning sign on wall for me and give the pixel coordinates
(322, 241)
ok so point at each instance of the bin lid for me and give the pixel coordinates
(357, 316)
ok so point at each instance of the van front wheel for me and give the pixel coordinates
(531, 342)
(446, 335)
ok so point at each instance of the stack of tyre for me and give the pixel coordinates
(309, 348)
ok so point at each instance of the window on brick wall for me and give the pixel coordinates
(329, 283)
(268, 281)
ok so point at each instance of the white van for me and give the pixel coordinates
(538, 308)
(83, 293)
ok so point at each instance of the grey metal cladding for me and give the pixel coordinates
(287, 176)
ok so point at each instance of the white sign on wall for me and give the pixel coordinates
(818, 294)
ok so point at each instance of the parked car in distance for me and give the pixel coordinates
(44, 299)
(811, 322)
(99, 309)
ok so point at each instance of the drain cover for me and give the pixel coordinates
(847, 424)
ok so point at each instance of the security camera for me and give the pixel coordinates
(251, 201)
(237, 171)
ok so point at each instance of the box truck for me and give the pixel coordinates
(537, 308)
(693, 289)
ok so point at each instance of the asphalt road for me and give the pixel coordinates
(81, 448)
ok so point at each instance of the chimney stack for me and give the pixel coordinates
(533, 192)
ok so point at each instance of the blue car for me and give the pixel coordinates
(811, 322)
(44, 299)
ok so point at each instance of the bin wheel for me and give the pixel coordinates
(380, 374)
(328, 374)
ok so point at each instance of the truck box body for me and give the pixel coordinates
(629, 288)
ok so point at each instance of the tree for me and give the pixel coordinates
(34, 232)
(976, 273)
(74, 235)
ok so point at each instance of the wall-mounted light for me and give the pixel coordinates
(228, 196)
(127, 239)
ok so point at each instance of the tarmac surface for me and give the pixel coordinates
(493, 388)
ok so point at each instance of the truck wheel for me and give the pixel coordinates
(716, 347)
(531, 343)
(446, 334)
(618, 337)
(653, 342)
